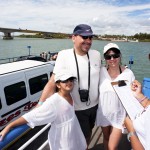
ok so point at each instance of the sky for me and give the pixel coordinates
(114, 17)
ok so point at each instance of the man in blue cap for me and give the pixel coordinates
(84, 63)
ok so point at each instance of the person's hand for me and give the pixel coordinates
(136, 88)
(4, 132)
(128, 124)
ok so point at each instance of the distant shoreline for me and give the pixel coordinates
(113, 38)
(146, 40)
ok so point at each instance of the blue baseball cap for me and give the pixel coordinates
(83, 29)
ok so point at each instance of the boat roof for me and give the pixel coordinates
(19, 65)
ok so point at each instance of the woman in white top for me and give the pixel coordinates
(65, 132)
(111, 113)
(139, 128)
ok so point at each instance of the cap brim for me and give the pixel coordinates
(68, 78)
(65, 78)
(86, 34)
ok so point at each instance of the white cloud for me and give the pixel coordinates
(64, 15)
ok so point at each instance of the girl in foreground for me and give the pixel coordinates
(65, 132)
(139, 128)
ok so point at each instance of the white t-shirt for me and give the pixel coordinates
(110, 110)
(142, 127)
(65, 132)
(66, 60)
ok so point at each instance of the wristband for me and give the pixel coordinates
(131, 134)
(40, 103)
(141, 100)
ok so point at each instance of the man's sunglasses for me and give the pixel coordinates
(108, 57)
(87, 37)
(69, 79)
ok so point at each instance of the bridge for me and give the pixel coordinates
(7, 32)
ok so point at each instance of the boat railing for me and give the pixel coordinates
(8, 60)
(19, 58)
(35, 137)
(20, 131)
(45, 56)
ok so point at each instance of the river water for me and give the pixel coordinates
(139, 51)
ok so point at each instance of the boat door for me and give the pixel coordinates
(36, 81)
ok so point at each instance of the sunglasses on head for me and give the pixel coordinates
(108, 57)
(69, 79)
(86, 37)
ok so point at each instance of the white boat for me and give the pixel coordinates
(21, 85)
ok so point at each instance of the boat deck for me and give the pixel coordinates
(96, 142)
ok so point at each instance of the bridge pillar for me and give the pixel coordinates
(7, 36)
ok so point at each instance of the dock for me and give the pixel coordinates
(96, 142)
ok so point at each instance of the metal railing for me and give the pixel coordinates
(47, 56)
(8, 60)
(34, 137)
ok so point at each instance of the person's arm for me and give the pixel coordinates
(135, 142)
(147, 129)
(48, 90)
(19, 121)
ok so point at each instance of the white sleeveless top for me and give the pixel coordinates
(110, 110)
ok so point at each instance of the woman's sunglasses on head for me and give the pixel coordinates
(108, 57)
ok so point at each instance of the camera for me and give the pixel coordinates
(84, 95)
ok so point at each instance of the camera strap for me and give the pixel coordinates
(89, 69)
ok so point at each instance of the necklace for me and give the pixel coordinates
(114, 75)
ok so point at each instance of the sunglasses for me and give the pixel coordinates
(108, 57)
(87, 37)
(69, 79)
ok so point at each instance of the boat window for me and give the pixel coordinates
(37, 83)
(15, 92)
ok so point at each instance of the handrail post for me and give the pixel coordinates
(29, 49)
